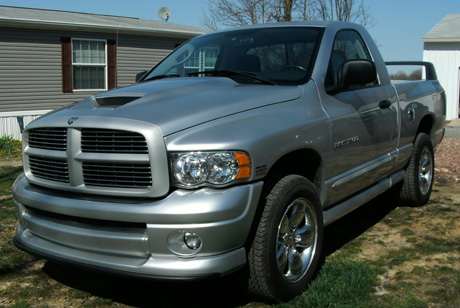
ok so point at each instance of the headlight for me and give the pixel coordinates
(191, 169)
(210, 168)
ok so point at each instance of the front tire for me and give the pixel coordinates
(418, 182)
(286, 249)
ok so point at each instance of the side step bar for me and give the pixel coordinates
(349, 205)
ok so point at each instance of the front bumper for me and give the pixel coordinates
(138, 237)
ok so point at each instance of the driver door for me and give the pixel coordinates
(363, 124)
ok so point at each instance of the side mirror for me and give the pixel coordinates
(140, 75)
(356, 73)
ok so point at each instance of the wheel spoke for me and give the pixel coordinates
(423, 181)
(296, 240)
(425, 171)
(282, 257)
(284, 226)
(305, 236)
(295, 262)
(298, 215)
(425, 163)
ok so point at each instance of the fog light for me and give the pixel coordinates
(184, 243)
(192, 240)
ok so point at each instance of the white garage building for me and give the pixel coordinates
(442, 48)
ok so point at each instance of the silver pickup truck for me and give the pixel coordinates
(233, 153)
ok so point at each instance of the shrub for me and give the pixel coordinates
(9, 146)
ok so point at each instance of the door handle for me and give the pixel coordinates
(385, 104)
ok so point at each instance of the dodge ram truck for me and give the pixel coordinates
(232, 154)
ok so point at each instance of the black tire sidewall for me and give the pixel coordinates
(287, 190)
(425, 142)
(411, 194)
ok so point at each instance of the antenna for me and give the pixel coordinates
(164, 13)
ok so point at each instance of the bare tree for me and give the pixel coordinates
(343, 10)
(246, 12)
(281, 10)
(304, 9)
(236, 13)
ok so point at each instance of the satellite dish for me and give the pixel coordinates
(164, 13)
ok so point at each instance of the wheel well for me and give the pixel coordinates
(306, 163)
(426, 126)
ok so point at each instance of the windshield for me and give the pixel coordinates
(279, 55)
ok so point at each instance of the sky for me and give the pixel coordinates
(398, 29)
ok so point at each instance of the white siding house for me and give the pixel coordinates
(442, 48)
(50, 59)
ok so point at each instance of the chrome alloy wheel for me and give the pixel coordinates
(297, 238)
(425, 171)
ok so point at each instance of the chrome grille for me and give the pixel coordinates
(112, 141)
(117, 175)
(48, 138)
(99, 160)
(49, 169)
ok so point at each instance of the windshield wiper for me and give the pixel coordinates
(161, 77)
(230, 74)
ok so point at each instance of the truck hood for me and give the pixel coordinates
(179, 103)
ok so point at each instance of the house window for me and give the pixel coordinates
(89, 67)
(203, 59)
(88, 64)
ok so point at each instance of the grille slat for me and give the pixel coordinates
(117, 175)
(117, 183)
(52, 177)
(112, 141)
(48, 138)
(49, 169)
(38, 168)
(126, 174)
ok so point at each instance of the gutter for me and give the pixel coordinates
(442, 40)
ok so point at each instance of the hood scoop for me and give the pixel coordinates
(115, 101)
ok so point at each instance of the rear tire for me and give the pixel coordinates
(285, 252)
(418, 181)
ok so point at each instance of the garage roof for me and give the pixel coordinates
(447, 30)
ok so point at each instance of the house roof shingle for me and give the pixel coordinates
(51, 19)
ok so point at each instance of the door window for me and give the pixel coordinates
(348, 45)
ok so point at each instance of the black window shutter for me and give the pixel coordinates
(112, 64)
(66, 58)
